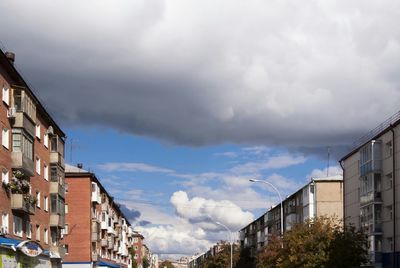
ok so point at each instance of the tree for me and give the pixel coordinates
(146, 262)
(222, 259)
(317, 243)
(166, 264)
(134, 263)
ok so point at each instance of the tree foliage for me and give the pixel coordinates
(317, 243)
(146, 262)
(222, 259)
(166, 264)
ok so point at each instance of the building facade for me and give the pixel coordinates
(371, 190)
(320, 197)
(97, 233)
(32, 175)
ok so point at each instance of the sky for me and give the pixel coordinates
(176, 104)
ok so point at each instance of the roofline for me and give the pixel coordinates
(354, 150)
(92, 176)
(19, 79)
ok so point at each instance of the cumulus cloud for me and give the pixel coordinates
(181, 72)
(197, 210)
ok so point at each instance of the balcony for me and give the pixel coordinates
(57, 158)
(20, 204)
(95, 237)
(21, 162)
(110, 243)
(103, 225)
(57, 220)
(291, 210)
(58, 249)
(104, 207)
(95, 256)
(104, 242)
(57, 188)
(22, 120)
(371, 197)
(115, 248)
(110, 231)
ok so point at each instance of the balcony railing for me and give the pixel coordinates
(21, 204)
(57, 188)
(57, 220)
(57, 158)
(21, 162)
(104, 242)
(95, 256)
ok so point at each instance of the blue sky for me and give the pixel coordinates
(144, 174)
(176, 104)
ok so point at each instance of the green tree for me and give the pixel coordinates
(317, 243)
(134, 263)
(166, 264)
(146, 262)
(222, 259)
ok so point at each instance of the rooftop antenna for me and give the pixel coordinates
(327, 168)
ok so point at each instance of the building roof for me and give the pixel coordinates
(378, 131)
(76, 172)
(16, 76)
(330, 178)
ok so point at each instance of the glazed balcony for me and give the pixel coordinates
(57, 158)
(57, 220)
(95, 256)
(23, 121)
(58, 249)
(104, 242)
(19, 203)
(23, 163)
(57, 188)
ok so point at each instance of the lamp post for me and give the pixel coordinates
(280, 197)
(230, 235)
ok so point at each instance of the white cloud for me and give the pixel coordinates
(133, 167)
(200, 209)
(272, 162)
(321, 173)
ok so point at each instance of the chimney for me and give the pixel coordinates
(80, 165)
(10, 56)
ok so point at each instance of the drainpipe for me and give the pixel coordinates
(394, 194)
(344, 218)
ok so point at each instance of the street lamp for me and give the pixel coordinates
(230, 235)
(280, 197)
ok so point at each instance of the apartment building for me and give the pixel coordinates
(32, 175)
(371, 191)
(320, 197)
(97, 234)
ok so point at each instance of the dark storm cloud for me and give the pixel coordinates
(131, 214)
(180, 72)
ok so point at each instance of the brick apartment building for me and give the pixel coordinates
(97, 234)
(371, 191)
(32, 175)
(320, 197)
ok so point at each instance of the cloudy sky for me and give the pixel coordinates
(190, 99)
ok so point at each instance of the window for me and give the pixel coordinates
(66, 208)
(65, 230)
(38, 165)
(389, 148)
(46, 140)
(45, 172)
(17, 226)
(389, 179)
(46, 203)
(66, 248)
(38, 199)
(4, 222)
(22, 142)
(390, 212)
(6, 94)
(28, 227)
(5, 138)
(5, 176)
(46, 236)
(38, 131)
(37, 232)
